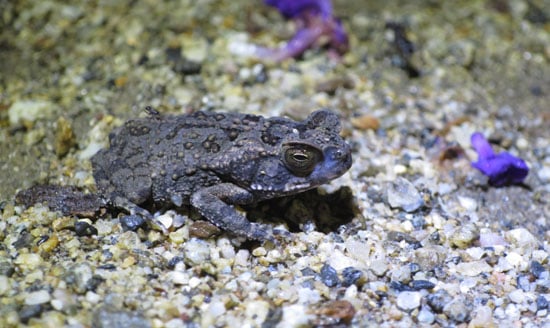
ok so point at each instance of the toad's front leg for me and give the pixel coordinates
(214, 203)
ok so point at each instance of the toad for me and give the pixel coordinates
(210, 161)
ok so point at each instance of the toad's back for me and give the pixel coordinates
(165, 159)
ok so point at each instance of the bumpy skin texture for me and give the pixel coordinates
(215, 160)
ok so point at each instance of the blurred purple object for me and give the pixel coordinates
(315, 20)
(503, 168)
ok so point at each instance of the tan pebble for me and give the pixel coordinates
(365, 122)
(340, 311)
(128, 262)
(49, 244)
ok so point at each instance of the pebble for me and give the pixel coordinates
(522, 238)
(517, 296)
(422, 284)
(458, 310)
(350, 276)
(132, 222)
(426, 316)
(379, 267)
(402, 194)
(196, 251)
(4, 285)
(465, 235)
(474, 268)
(408, 301)
(29, 111)
(83, 228)
(106, 317)
(537, 269)
(439, 300)
(30, 311)
(329, 276)
(37, 297)
(483, 318)
(542, 303)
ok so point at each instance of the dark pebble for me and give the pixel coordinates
(542, 303)
(422, 284)
(108, 267)
(414, 267)
(400, 287)
(30, 311)
(329, 276)
(350, 276)
(6, 268)
(132, 222)
(83, 228)
(438, 300)
(173, 261)
(106, 317)
(308, 272)
(536, 269)
(94, 282)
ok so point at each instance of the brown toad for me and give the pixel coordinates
(215, 160)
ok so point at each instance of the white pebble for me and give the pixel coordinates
(408, 301)
(38, 297)
(468, 203)
(4, 285)
(517, 296)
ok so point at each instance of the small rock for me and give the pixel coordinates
(422, 284)
(465, 235)
(340, 311)
(408, 301)
(37, 297)
(28, 111)
(536, 269)
(517, 296)
(468, 203)
(329, 276)
(65, 138)
(542, 303)
(107, 317)
(365, 122)
(483, 318)
(132, 222)
(4, 285)
(402, 194)
(351, 275)
(401, 274)
(439, 300)
(472, 269)
(203, 229)
(30, 311)
(196, 252)
(491, 239)
(83, 228)
(379, 267)
(522, 238)
(78, 276)
(425, 316)
(458, 310)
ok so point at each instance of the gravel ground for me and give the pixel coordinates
(412, 235)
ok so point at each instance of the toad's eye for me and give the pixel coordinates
(301, 158)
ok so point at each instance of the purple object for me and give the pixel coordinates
(503, 168)
(315, 20)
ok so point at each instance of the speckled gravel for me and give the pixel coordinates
(416, 237)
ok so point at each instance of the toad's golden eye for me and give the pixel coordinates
(301, 158)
